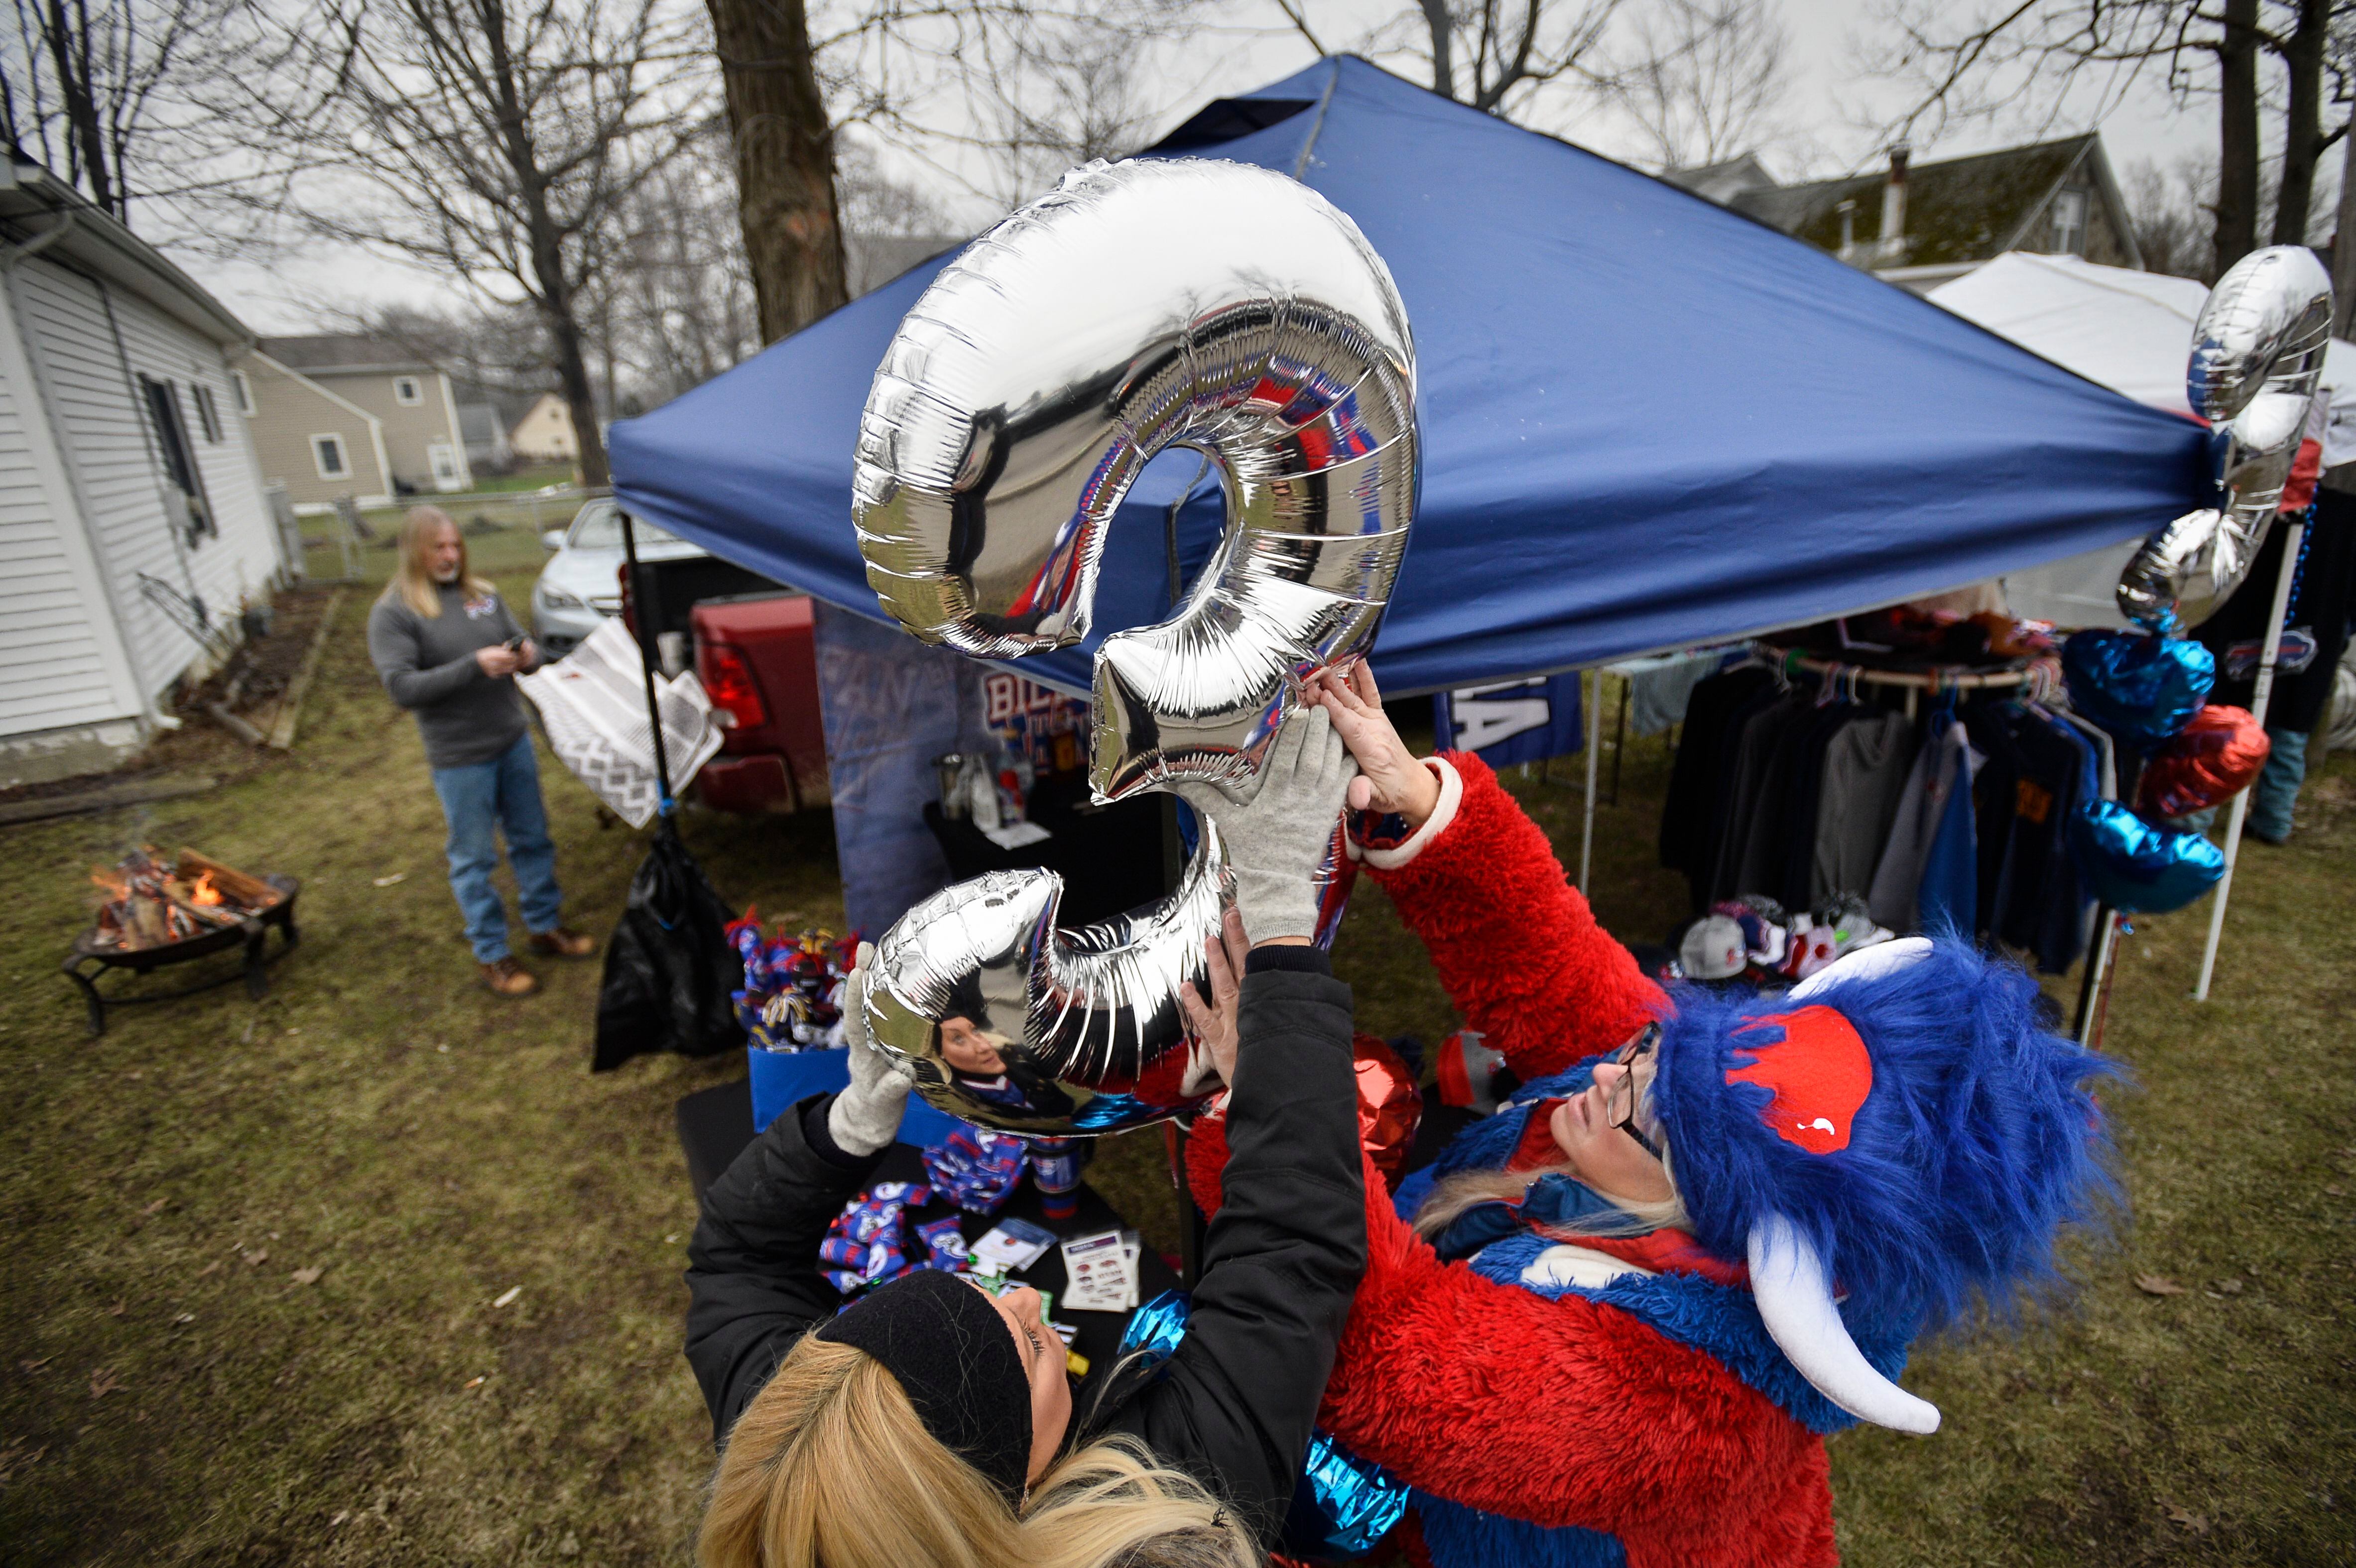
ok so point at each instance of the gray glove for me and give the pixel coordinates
(1277, 825)
(865, 1115)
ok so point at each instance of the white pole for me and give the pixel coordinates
(1594, 696)
(2259, 694)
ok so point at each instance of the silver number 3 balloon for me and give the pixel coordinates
(1140, 306)
(2257, 356)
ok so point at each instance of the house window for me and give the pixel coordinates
(208, 416)
(2069, 222)
(179, 460)
(327, 452)
(244, 390)
(407, 391)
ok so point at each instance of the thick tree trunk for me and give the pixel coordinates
(2302, 58)
(1443, 34)
(2237, 134)
(785, 161)
(70, 47)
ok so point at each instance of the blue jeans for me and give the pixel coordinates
(502, 792)
(2271, 797)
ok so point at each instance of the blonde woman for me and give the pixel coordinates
(447, 650)
(931, 1424)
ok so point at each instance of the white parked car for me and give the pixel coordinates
(582, 583)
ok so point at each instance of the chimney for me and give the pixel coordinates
(1893, 202)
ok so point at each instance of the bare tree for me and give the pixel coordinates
(2173, 215)
(785, 160)
(1705, 82)
(1493, 55)
(496, 146)
(2035, 57)
(101, 85)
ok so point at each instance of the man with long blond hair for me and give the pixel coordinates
(447, 650)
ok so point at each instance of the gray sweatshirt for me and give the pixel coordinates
(466, 715)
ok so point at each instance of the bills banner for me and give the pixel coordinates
(1516, 722)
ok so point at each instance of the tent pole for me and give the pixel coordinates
(2260, 693)
(2098, 963)
(642, 600)
(1586, 724)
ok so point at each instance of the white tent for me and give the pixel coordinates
(2131, 331)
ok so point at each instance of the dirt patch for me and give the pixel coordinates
(258, 674)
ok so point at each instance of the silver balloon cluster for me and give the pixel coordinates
(1140, 306)
(1083, 1028)
(2257, 356)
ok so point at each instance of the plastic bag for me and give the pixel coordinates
(669, 967)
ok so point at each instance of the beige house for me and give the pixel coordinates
(338, 415)
(544, 434)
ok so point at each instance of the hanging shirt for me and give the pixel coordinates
(1865, 771)
(1948, 897)
(1898, 878)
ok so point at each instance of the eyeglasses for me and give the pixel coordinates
(1620, 1104)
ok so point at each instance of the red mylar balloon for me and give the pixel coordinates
(1389, 1106)
(2208, 760)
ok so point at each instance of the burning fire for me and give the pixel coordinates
(148, 901)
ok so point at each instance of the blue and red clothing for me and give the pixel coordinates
(1548, 1407)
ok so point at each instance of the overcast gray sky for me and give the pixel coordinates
(1827, 101)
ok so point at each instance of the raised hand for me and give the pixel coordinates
(1389, 777)
(1214, 1022)
(1277, 826)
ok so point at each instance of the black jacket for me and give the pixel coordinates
(1233, 1408)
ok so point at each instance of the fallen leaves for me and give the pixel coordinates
(156, 1207)
(2232, 1285)
(308, 1275)
(506, 1295)
(102, 1383)
(256, 1258)
(2195, 1523)
(388, 881)
(2334, 1190)
(118, 1309)
(29, 1368)
(186, 1317)
(212, 1267)
(2158, 1285)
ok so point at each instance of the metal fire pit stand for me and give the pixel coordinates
(252, 931)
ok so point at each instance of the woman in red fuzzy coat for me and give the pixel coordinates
(1562, 1412)
(1702, 1234)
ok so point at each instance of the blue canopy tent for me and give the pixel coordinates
(1647, 420)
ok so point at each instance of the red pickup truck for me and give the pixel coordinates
(752, 644)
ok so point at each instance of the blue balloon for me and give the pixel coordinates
(2138, 868)
(1343, 1504)
(2142, 688)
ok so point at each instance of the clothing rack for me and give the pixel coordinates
(2042, 675)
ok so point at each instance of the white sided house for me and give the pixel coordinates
(132, 525)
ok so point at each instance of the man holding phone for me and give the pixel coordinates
(447, 650)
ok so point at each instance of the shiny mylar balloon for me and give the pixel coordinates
(2211, 761)
(2257, 356)
(1138, 306)
(2140, 687)
(2136, 868)
(1389, 1106)
(1011, 1023)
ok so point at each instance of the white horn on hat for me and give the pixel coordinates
(1795, 1301)
(1864, 963)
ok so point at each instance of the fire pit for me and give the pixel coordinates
(161, 914)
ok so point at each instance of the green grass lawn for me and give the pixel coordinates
(173, 1391)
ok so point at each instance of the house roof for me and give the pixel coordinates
(1720, 181)
(37, 209)
(342, 354)
(1961, 209)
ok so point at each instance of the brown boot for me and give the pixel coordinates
(509, 978)
(563, 942)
